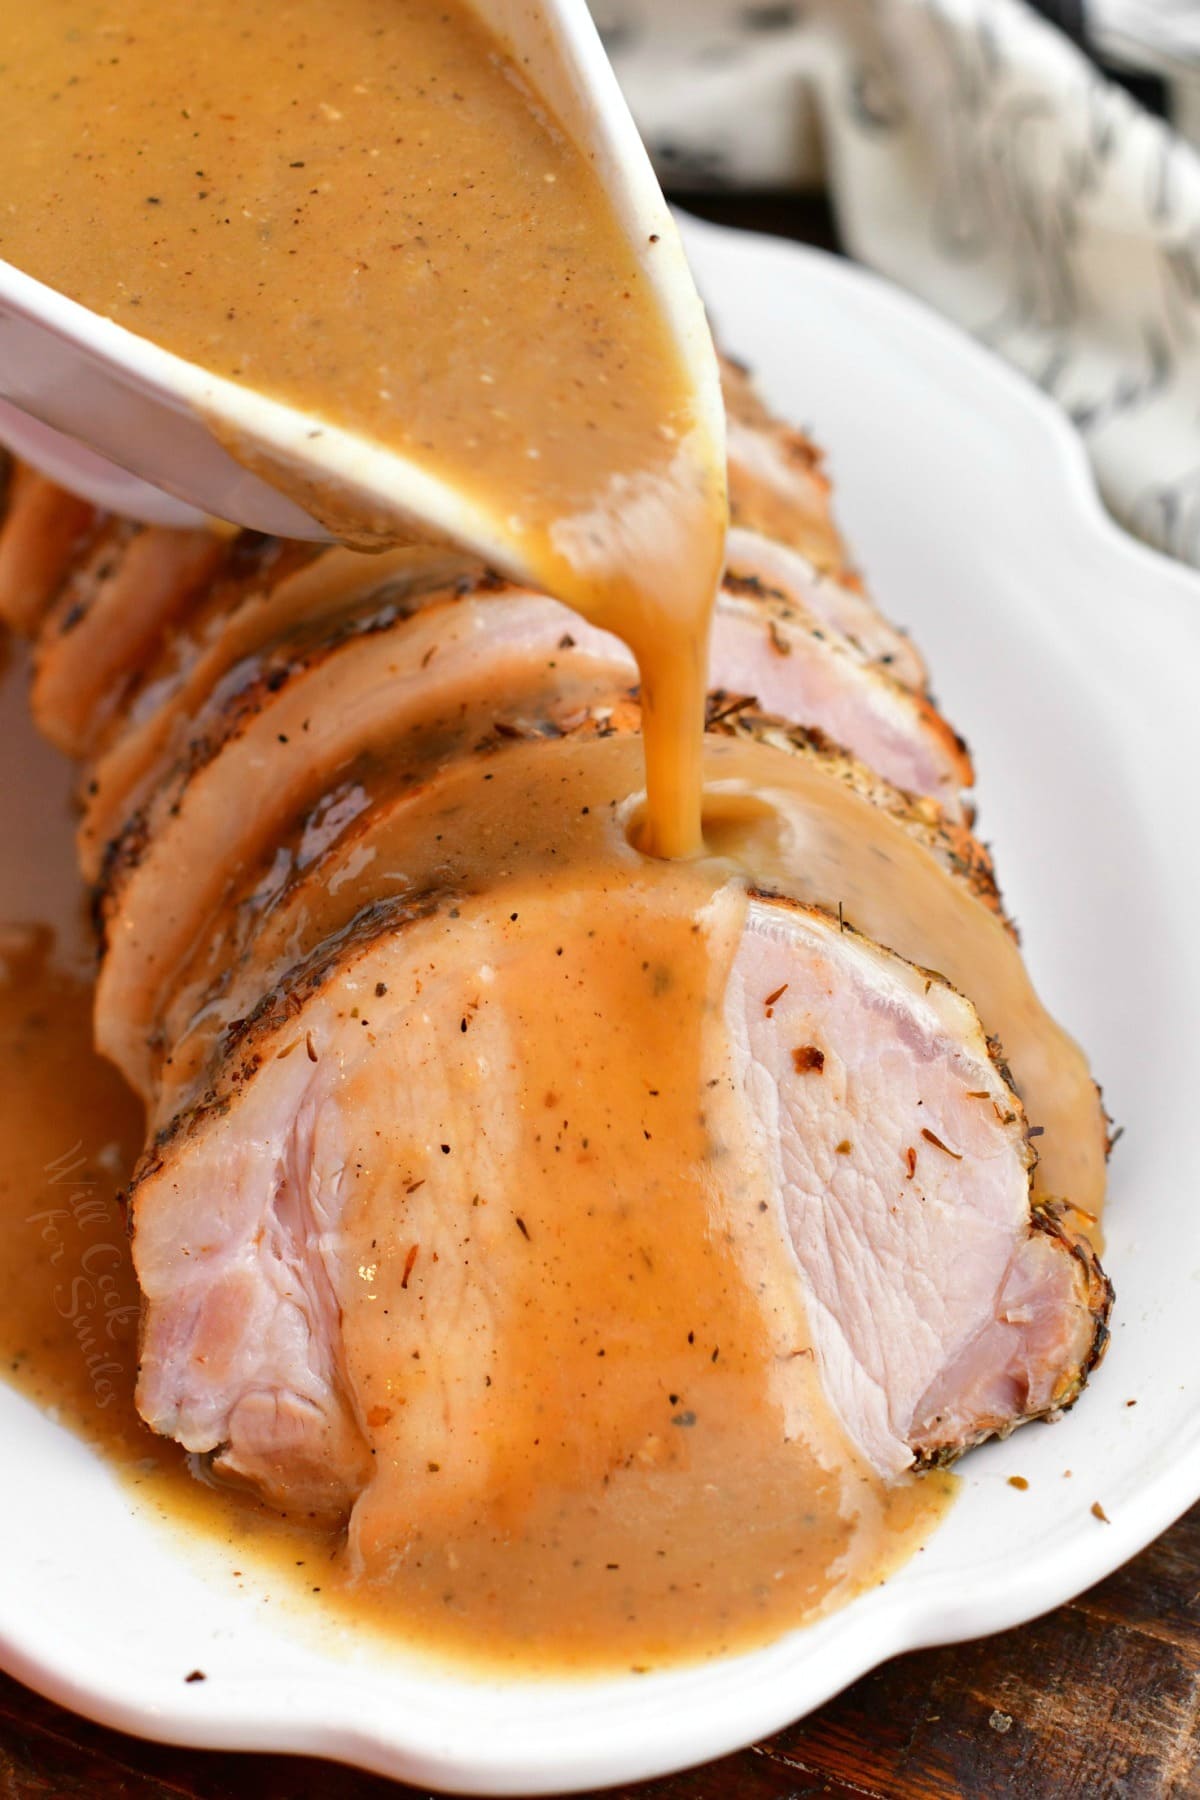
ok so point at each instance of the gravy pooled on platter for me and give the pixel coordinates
(365, 211)
(692, 1494)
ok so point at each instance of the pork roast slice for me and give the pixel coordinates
(769, 645)
(331, 1245)
(113, 610)
(783, 530)
(777, 488)
(842, 604)
(943, 1308)
(42, 533)
(288, 603)
(777, 480)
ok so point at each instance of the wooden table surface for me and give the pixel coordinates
(1098, 1701)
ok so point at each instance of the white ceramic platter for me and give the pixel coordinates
(1071, 656)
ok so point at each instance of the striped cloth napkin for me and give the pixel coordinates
(977, 154)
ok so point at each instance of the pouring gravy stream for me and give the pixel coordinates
(366, 211)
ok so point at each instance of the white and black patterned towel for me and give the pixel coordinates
(978, 156)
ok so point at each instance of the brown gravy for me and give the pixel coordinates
(715, 1535)
(71, 1131)
(365, 211)
(594, 1426)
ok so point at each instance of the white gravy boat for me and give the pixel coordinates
(138, 429)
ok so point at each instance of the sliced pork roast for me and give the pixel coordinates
(818, 827)
(420, 679)
(389, 827)
(841, 604)
(360, 827)
(111, 612)
(375, 1100)
(768, 641)
(782, 529)
(777, 480)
